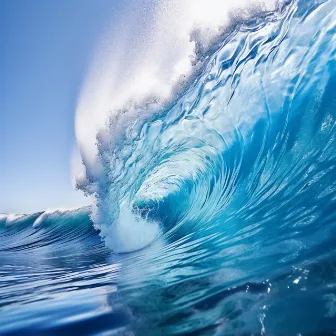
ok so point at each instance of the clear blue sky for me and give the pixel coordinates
(46, 47)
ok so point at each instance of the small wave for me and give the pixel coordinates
(233, 137)
(9, 219)
(55, 228)
(57, 214)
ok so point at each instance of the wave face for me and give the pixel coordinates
(224, 190)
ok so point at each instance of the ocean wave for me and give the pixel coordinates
(215, 204)
(230, 141)
(54, 228)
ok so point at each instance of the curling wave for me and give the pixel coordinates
(243, 136)
(210, 150)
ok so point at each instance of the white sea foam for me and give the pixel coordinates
(132, 232)
(11, 218)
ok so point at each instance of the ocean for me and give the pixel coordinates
(214, 210)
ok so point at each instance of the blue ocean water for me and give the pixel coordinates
(216, 215)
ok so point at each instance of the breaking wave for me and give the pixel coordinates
(207, 139)
(246, 132)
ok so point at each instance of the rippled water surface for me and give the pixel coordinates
(221, 209)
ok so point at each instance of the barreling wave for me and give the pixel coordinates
(248, 132)
(58, 229)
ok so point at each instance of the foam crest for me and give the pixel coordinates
(147, 58)
(58, 213)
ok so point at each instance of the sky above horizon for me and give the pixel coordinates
(47, 48)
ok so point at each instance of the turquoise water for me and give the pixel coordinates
(225, 202)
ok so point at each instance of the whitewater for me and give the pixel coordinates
(206, 141)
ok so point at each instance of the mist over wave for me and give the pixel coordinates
(149, 68)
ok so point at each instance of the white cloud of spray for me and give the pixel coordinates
(145, 54)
